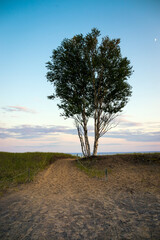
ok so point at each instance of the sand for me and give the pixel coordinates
(64, 203)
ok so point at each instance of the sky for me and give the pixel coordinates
(31, 29)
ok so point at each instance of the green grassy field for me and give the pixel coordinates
(17, 168)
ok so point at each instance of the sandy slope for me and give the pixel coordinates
(64, 203)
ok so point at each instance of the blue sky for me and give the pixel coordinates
(31, 29)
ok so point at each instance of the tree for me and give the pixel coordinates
(90, 79)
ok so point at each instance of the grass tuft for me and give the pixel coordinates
(91, 172)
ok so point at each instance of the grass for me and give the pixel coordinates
(90, 171)
(17, 168)
(143, 157)
(93, 166)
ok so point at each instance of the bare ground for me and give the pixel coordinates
(64, 203)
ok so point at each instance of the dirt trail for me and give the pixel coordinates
(64, 203)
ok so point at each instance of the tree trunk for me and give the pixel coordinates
(81, 125)
(95, 148)
(86, 141)
(96, 131)
(81, 140)
(86, 135)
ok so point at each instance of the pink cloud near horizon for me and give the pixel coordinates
(18, 109)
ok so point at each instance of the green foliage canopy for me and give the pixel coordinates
(89, 76)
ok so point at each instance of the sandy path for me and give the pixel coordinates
(64, 203)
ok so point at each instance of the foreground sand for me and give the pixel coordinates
(64, 203)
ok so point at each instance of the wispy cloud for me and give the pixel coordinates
(4, 135)
(40, 146)
(123, 121)
(135, 136)
(111, 144)
(37, 132)
(30, 132)
(17, 109)
(129, 124)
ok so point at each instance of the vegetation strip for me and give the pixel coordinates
(103, 165)
(91, 172)
(17, 168)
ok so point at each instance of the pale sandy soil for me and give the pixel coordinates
(64, 203)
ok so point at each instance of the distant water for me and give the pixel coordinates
(113, 153)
